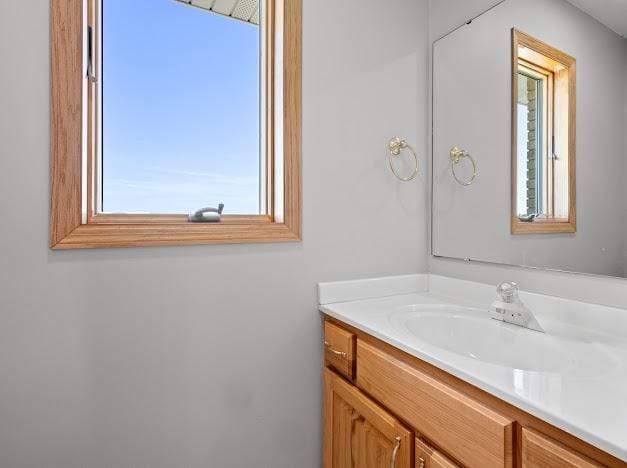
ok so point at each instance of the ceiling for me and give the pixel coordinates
(244, 10)
(612, 13)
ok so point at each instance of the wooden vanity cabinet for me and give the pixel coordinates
(377, 397)
(358, 432)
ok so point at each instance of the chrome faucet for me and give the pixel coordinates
(507, 307)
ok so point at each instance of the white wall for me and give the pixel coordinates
(208, 355)
(473, 110)
(445, 15)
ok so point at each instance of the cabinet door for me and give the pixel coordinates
(538, 451)
(358, 432)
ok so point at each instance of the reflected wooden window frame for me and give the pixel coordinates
(544, 225)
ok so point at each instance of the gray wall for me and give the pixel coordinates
(445, 15)
(624, 211)
(203, 356)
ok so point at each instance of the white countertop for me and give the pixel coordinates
(587, 399)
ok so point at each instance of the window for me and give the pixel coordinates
(533, 98)
(164, 107)
(180, 108)
(543, 138)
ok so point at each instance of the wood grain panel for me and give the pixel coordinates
(472, 433)
(339, 349)
(428, 457)
(66, 132)
(539, 451)
(292, 115)
(358, 432)
(137, 235)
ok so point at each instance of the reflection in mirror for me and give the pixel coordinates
(506, 88)
(543, 147)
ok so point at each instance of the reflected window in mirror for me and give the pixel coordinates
(543, 138)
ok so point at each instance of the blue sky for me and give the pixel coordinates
(181, 109)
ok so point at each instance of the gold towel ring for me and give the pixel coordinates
(396, 146)
(457, 155)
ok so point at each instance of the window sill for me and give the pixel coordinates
(174, 219)
(89, 236)
(544, 226)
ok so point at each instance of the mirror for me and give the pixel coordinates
(529, 137)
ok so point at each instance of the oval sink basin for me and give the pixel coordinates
(473, 334)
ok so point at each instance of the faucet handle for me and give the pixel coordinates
(508, 291)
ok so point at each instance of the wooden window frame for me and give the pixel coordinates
(74, 221)
(544, 225)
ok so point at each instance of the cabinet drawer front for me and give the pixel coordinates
(471, 432)
(428, 457)
(539, 451)
(339, 349)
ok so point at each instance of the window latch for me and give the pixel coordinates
(527, 218)
(207, 215)
(91, 75)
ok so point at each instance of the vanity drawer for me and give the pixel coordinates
(539, 451)
(469, 431)
(339, 349)
(428, 457)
